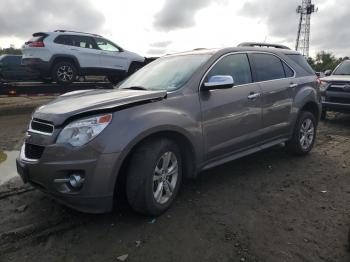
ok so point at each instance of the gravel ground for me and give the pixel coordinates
(266, 207)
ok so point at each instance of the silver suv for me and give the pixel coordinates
(63, 55)
(173, 118)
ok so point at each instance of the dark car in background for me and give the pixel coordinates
(11, 69)
(335, 90)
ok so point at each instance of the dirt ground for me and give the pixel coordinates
(266, 207)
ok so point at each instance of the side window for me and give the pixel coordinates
(106, 45)
(268, 67)
(236, 65)
(288, 71)
(83, 42)
(64, 40)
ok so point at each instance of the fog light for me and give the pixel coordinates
(76, 181)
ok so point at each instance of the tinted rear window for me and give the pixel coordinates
(301, 61)
(268, 67)
(289, 72)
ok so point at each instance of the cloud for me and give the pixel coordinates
(161, 44)
(279, 16)
(22, 18)
(329, 26)
(179, 14)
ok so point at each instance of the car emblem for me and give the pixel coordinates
(347, 87)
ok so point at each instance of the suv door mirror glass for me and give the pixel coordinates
(328, 72)
(218, 82)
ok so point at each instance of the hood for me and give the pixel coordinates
(333, 78)
(85, 101)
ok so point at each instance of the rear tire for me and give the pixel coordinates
(64, 73)
(323, 115)
(304, 134)
(154, 177)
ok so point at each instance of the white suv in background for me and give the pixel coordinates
(63, 55)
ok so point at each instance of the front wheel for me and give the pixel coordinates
(154, 177)
(304, 134)
(114, 79)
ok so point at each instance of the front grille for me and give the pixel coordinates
(341, 100)
(33, 151)
(39, 126)
(339, 87)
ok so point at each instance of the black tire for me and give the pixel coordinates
(295, 145)
(133, 68)
(140, 185)
(68, 70)
(114, 79)
(323, 115)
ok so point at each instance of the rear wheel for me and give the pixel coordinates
(304, 134)
(323, 114)
(64, 73)
(154, 177)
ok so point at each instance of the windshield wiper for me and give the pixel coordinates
(135, 88)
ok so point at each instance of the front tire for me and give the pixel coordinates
(304, 134)
(64, 73)
(154, 177)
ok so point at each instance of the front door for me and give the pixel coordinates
(231, 118)
(111, 56)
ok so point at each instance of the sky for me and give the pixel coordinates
(158, 27)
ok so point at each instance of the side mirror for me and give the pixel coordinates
(327, 72)
(218, 82)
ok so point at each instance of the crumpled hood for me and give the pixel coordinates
(80, 102)
(335, 78)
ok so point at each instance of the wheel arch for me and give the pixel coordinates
(186, 147)
(61, 58)
(312, 107)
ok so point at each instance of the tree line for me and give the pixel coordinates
(10, 51)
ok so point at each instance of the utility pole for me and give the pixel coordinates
(303, 37)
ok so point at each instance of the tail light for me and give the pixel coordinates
(36, 44)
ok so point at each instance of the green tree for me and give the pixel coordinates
(10, 51)
(325, 60)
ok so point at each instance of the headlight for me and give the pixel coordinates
(82, 131)
(323, 85)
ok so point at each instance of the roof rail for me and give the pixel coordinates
(257, 44)
(63, 31)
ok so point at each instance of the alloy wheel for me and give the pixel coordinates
(307, 134)
(165, 177)
(65, 73)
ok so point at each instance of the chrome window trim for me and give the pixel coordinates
(248, 52)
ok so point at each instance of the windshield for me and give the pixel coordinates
(343, 69)
(168, 73)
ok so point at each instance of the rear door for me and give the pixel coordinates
(231, 117)
(276, 80)
(111, 56)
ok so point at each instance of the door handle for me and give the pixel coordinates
(74, 49)
(253, 96)
(292, 85)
